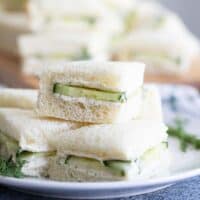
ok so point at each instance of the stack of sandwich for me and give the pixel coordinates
(64, 31)
(45, 32)
(94, 121)
(157, 37)
(48, 31)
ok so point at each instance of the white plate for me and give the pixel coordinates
(94, 190)
(184, 165)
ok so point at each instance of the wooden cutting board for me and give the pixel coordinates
(11, 75)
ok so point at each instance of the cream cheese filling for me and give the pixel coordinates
(83, 55)
(78, 91)
(119, 168)
(17, 163)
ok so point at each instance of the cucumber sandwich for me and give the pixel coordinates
(66, 14)
(24, 146)
(145, 15)
(159, 50)
(58, 48)
(111, 152)
(71, 151)
(89, 16)
(92, 91)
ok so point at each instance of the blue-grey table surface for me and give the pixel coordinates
(188, 190)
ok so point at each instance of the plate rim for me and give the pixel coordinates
(34, 182)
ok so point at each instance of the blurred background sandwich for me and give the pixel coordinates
(39, 33)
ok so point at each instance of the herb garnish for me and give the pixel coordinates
(11, 168)
(186, 138)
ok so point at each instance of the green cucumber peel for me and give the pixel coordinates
(75, 91)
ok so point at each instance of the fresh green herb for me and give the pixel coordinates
(185, 138)
(11, 168)
(10, 161)
(67, 159)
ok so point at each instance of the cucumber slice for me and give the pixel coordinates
(85, 162)
(25, 155)
(75, 91)
(119, 167)
(116, 167)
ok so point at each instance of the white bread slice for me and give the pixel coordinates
(36, 167)
(66, 8)
(30, 131)
(120, 6)
(66, 44)
(49, 14)
(36, 67)
(145, 15)
(151, 107)
(123, 77)
(151, 103)
(12, 25)
(87, 110)
(66, 16)
(80, 171)
(161, 51)
(113, 76)
(18, 98)
(124, 141)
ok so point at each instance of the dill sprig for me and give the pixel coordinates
(185, 138)
(11, 167)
